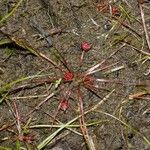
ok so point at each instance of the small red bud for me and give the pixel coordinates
(85, 46)
(64, 105)
(68, 76)
(115, 10)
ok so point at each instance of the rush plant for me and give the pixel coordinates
(68, 82)
(73, 82)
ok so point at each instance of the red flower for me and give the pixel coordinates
(115, 10)
(68, 76)
(26, 138)
(64, 105)
(85, 46)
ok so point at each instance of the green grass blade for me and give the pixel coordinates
(69, 126)
(25, 46)
(49, 138)
(11, 13)
(123, 9)
(127, 125)
(5, 41)
(4, 148)
(7, 86)
(18, 145)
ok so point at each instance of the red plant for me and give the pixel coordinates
(85, 46)
(26, 138)
(115, 10)
(64, 104)
(68, 76)
(73, 81)
(88, 81)
(103, 6)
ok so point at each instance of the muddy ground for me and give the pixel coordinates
(122, 121)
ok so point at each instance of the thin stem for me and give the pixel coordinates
(50, 137)
(40, 104)
(92, 69)
(11, 13)
(144, 26)
(127, 125)
(17, 116)
(83, 127)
